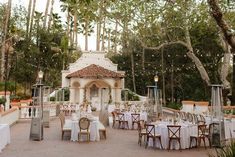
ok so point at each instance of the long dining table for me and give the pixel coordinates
(187, 129)
(94, 128)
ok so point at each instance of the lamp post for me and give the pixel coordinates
(36, 130)
(155, 92)
(40, 77)
(156, 79)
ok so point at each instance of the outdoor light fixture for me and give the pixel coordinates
(36, 130)
(40, 74)
(156, 79)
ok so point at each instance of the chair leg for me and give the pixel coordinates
(146, 144)
(160, 142)
(190, 143)
(154, 142)
(204, 142)
(127, 125)
(169, 144)
(179, 144)
(104, 134)
(62, 135)
(209, 142)
(140, 140)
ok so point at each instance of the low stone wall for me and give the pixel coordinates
(10, 116)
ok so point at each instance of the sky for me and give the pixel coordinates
(41, 5)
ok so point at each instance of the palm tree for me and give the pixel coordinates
(32, 18)
(5, 35)
(28, 18)
(50, 15)
(46, 12)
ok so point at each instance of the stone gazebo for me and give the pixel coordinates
(93, 78)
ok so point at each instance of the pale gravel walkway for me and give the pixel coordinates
(119, 143)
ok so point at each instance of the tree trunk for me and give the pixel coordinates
(75, 30)
(228, 34)
(5, 35)
(115, 36)
(109, 40)
(50, 15)
(86, 34)
(98, 36)
(195, 59)
(103, 35)
(46, 12)
(32, 19)
(98, 30)
(133, 70)
(28, 18)
(223, 72)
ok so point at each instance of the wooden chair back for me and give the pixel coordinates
(84, 123)
(150, 130)
(121, 116)
(195, 118)
(62, 119)
(202, 118)
(189, 117)
(201, 130)
(173, 131)
(135, 117)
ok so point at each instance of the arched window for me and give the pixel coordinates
(94, 91)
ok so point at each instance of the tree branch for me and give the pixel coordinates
(218, 16)
(164, 45)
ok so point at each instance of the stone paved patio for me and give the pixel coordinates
(119, 143)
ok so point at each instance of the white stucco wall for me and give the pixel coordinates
(77, 85)
(89, 58)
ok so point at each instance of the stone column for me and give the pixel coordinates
(81, 97)
(72, 95)
(113, 94)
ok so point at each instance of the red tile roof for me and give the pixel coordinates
(96, 71)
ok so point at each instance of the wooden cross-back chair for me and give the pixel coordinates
(115, 118)
(189, 117)
(64, 128)
(202, 118)
(141, 131)
(135, 117)
(195, 118)
(200, 136)
(122, 122)
(151, 133)
(174, 134)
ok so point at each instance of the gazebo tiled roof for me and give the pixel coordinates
(95, 71)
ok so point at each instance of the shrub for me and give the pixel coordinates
(52, 98)
(2, 100)
(175, 106)
(227, 151)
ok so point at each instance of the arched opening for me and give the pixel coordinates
(97, 92)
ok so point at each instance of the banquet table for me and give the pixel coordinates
(5, 135)
(94, 129)
(229, 126)
(187, 129)
(127, 116)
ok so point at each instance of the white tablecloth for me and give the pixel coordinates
(127, 116)
(4, 135)
(229, 126)
(94, 130)
(186, 131)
